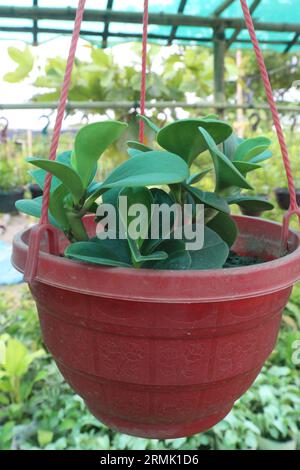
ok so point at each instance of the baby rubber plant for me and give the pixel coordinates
(232, 157)
(74, 193)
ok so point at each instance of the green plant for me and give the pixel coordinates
(15, 360)
(74, 193)
(13, 172)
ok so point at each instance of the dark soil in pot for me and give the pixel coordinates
(283, 197)
(9, 198)
(35, 191)
(235, 260)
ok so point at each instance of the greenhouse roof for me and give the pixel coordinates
(107, 22)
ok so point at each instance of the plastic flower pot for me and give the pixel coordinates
(283, 197)
(9, 198)
(35, 191)
(163, 354)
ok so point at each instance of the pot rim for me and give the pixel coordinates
(192, 286)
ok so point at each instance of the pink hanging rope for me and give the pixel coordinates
(293, 209)
(62, 107)
(144, 69)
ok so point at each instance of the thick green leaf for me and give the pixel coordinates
(252, 203)
(134, 152)
(56, 206)
(183, 138)
(178, 257)
(33, 207)
(262, 157)
(138, 146)
(227, 174)
(225, 227)
(90, 143)
(111, 196)
(40, 175)
(102, 252)
(250, 148)
(118, 246)
(161, 197)
(92, 188)
(138, 195)
(213, 254)
(230, 145)
(246, 167)
(64, 173)
(138, 259)
(149, 123)
(208, 198)
(149, 168)
(193, 179)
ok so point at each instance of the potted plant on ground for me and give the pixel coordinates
(283, 197)
(12, 178)
(155, 335)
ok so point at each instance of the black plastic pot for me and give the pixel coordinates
(283, 197)
(35, 191)
(9, 198)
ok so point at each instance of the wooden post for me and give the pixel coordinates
(219, 67)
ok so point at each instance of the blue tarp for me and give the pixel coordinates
(268, 11)
(8, 274)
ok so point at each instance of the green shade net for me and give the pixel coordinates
(268, 11)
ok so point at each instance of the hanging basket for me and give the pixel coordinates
(163, 354)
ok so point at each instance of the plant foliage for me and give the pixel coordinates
(162, 176)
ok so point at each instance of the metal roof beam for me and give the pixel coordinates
(88, 105)
(106, 25)
(291, 43)
(218, 11)
(68, 14)
(234, 36)
(181, 8)
(35, 26)
(56, 31)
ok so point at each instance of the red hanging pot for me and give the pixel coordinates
(163, 354)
